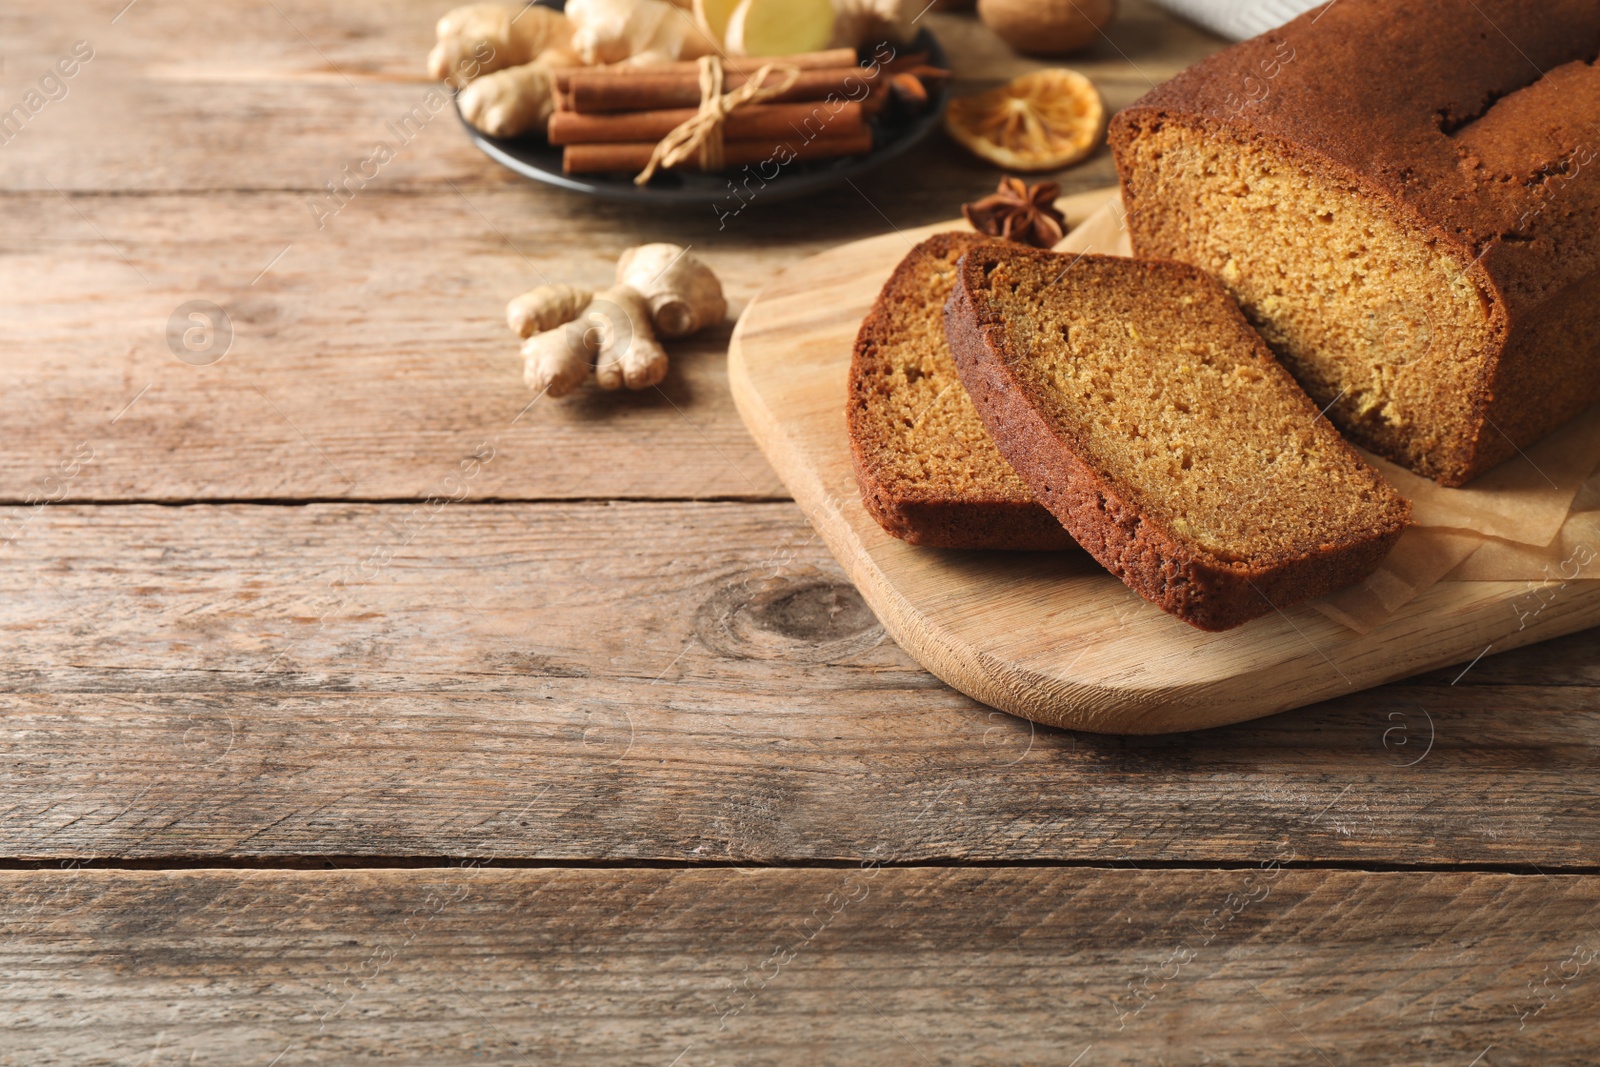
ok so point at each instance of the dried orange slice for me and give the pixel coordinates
(1041, 121)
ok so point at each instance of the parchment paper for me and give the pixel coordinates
(1573, 554)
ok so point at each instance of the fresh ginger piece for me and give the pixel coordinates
(555, 58)
(545, 308)
(480, 39)
(510, 102)
(627, 352)
(661, 290)
(779, 27)
(557, 361)
(683, 294)
(611, 336)
(611, 31)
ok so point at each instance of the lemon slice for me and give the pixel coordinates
(779, 27)
(1041, 121)
(713, 16)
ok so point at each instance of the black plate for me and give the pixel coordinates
(536, 158)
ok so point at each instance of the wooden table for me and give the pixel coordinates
(353, 712)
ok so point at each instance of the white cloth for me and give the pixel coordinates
(1238, 19)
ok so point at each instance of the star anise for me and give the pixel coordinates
(1020, 212)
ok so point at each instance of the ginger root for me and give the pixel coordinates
(480, 39)
(661, 290)
(545, 308)
(510, 102)
(683, 294)
(626, 349)
(559, 57)
(610, 31)
(558, 360)
(611, 335)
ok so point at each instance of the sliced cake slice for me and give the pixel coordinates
(928, 470)
(1146, 414)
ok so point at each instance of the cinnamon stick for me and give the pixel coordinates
(832, 59)
(633, 156)
(770, 122)
(646, 91)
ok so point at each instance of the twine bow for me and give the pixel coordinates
(702, 134)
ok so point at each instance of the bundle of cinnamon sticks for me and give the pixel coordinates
(611, 119)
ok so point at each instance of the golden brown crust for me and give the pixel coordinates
(1103, 515)
(1484, 146)
(983, 516)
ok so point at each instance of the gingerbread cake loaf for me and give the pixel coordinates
(928, 470)
(1406, 204)
(1146, 414)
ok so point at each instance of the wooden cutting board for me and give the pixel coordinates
(1052, 636)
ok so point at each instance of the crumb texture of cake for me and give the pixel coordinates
(928, 470)
(1146, 414)
(1407, 207)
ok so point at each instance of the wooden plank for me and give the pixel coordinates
(1259, 966)
(190, 95)
(367, 359)
(367, 362)
(666, 682)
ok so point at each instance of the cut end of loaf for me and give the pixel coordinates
(1383, 324)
